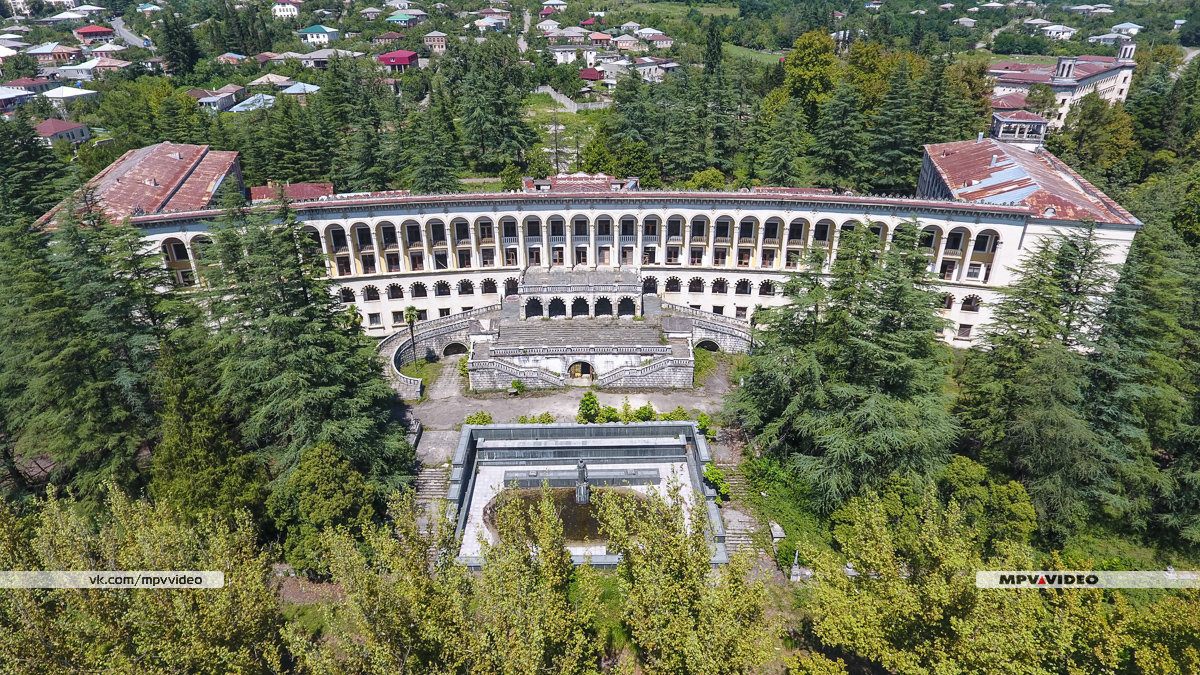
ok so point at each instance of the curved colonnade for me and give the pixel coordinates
(725, 253)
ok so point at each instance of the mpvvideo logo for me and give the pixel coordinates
(1017, 579)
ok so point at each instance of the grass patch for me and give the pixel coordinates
(678, 10)
(478, 188)
(427, 371)
(786, 502)
(705, 363)
(739, 52)
(310, 618)
(608, 622)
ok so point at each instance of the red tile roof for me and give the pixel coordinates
(400, 57)
(992, 172)
(1020, 116)
(591, 74)
(27, 82)
(1085, 66)
(94, 30)
(1013, 101)
(163, 178)
(48, 128)
(296, 192)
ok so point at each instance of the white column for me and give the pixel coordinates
(593, 257)
(966, 258)
(426, 246)
(522, 247)
(475, 255)
(756, 256)
(708, 250)
(546, 248)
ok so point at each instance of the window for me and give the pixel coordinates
(533, 229)
(535, 256)
(397, 318)
(186, 278)
(412, 233)
(422, 315)
(487, 257)
(627, 255)
(418, 291)
(343, 266)
(744, 255)
(673, 285)
(696, 285)
(672, 255)
(649, 256)
(393, 262)
(947, 271)
(467, 309)
(983, 243)
(464, 259)
(964, 331)
(581, 228)
(974, 271)
(395, 292)
(694, 306)
(650, 229)
(179, 252)
(742, 287)
(821, 232)
(416, 261)
(581, 255)
(346, 294)
(721, 257)
(441, 288)
(739, 313)
(368, 264)
(793, 259)
(441, 261)
(466, 288)
(696, 257)
(557, 256)
(971, 303)
(510, 257)
(445, 311)
(718, 309)
(370, 293)
(768, 259)
(604, 256)
(720, 286)
(373, 320)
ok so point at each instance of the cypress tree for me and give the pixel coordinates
(895, 137)
(841, 141)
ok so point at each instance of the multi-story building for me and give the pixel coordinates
(982, 205)
(1072, 78)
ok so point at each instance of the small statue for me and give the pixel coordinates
(583, 491)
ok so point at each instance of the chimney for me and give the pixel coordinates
(993, 160)
(1127, 48)
(1065, 69)
(979, 138)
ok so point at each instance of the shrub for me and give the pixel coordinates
(518, 386)
(589, 409)
(544, 418)
(716, 477)
(645, 413)
(480, 417)
(462, 366)
(627, 411)
(705, 424)
(676, 415)
(609, 414)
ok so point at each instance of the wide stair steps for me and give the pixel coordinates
(740, 533)
(432, 483)
(579, 332)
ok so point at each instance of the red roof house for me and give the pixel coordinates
(90, 34)
(588, 22)
(399, 60)
(591, 74)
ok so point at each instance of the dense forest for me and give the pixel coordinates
(250, 423)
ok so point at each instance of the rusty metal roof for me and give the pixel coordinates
(163, 177)
(990, 172)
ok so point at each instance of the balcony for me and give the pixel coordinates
(462, 241)
(674, 239)
(952, 253)
(795, 243)
(721, 240)
(487, 241)
(341, 248)
(392, 245)
(699, 239)
(439, 243)
(629, 239)
(771, 242)
(745, 241)
(366, 248)
(509, 240)
(558, 239)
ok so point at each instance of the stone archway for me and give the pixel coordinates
(454, 349)
(708, 345)
(604, 307)
(557, 309)
(650, 285)
(533, 308)
(581, 371)
(579, 307)
(626, 307)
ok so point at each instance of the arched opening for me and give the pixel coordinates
(720, 286)
(625, 307)
(346, 294)
(418, 291)
(650, 285)
(510, 287)
(454, 349)
(708, 346)
(604, 307)
(395, 292)
(696, 285)
(558, 308)
(743, 287)
(441, 288)
(766, 288)
(579, 307)
(971, 303)
(489, 286)
(674, 284)
(466, 288)
(370, 294)
(533, 308)
(580, 369)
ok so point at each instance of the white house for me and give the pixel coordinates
(1037, 23)
(1058, 32)
(547, 25)
(1127, 28)
(286, 9)
(1108, 39)
(558, 5)
(631, 26)
(319, 35)
(965, 21)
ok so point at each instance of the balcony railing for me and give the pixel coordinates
(771, 242)
(745, 241)
(629, 239)
(699, 239)
(462, 241)
(795, 242)
(487, 241)
(721, 240)
(391, 245)
(439, 243)
(953, 253)
(366, 248)
(509, 240)
(341, 249)
(558, 239)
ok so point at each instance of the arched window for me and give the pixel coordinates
(971, 303)
(347, 294)
(466, 288)
(766, 288)
(489, 286)
(395, 292)
(650, 285)
(419, 291)
(743, 287)
(370, 293)
(674, 284)
(947, 301)
(696, 285)
(441, 288)
(720, 286)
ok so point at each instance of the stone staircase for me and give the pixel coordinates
(579, 332)
(740, 532)
(432, 483)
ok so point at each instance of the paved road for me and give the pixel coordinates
(131, 38)
(521, 44)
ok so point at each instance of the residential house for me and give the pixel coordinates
(965, 21)
(402, 19)
(631, 26)
(546, 11)
(873, 4)
(991, 5)
(147, 9)
(94, 34)
(1099, 11)
(660, 41)
(286, 9)
(370, 13)
(6, 53)
(547, 25)
(64, 17)
(301, 91)
(272, 80)
(33, 85)
(54, 129)
(1081, 9)
(556, 5)
(399, 60)
(255, 102)
(946, 7)
(319, 35)
(108, 49)
(492, 11)
(238, 91)
(320, 59)
(600, 39)
(230, 59)
(1127, 28)
(1178, 24)
(492, 23)
(628, 43)
(218, 102)
(387, 38)
(93, 69)
(1070, 79)
(591, 75)
(263, 57)
(1036, 23)
(589, 22)
(564, 54)
(1108, 39)
(89, 10)
(54, 54)
(613, 71)
(11, 97)
(61, 96)
(652, 69)
(436, 41)
(646, 32)
(1058, 32)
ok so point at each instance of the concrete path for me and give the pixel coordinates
(132, 39)
(521, 44)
